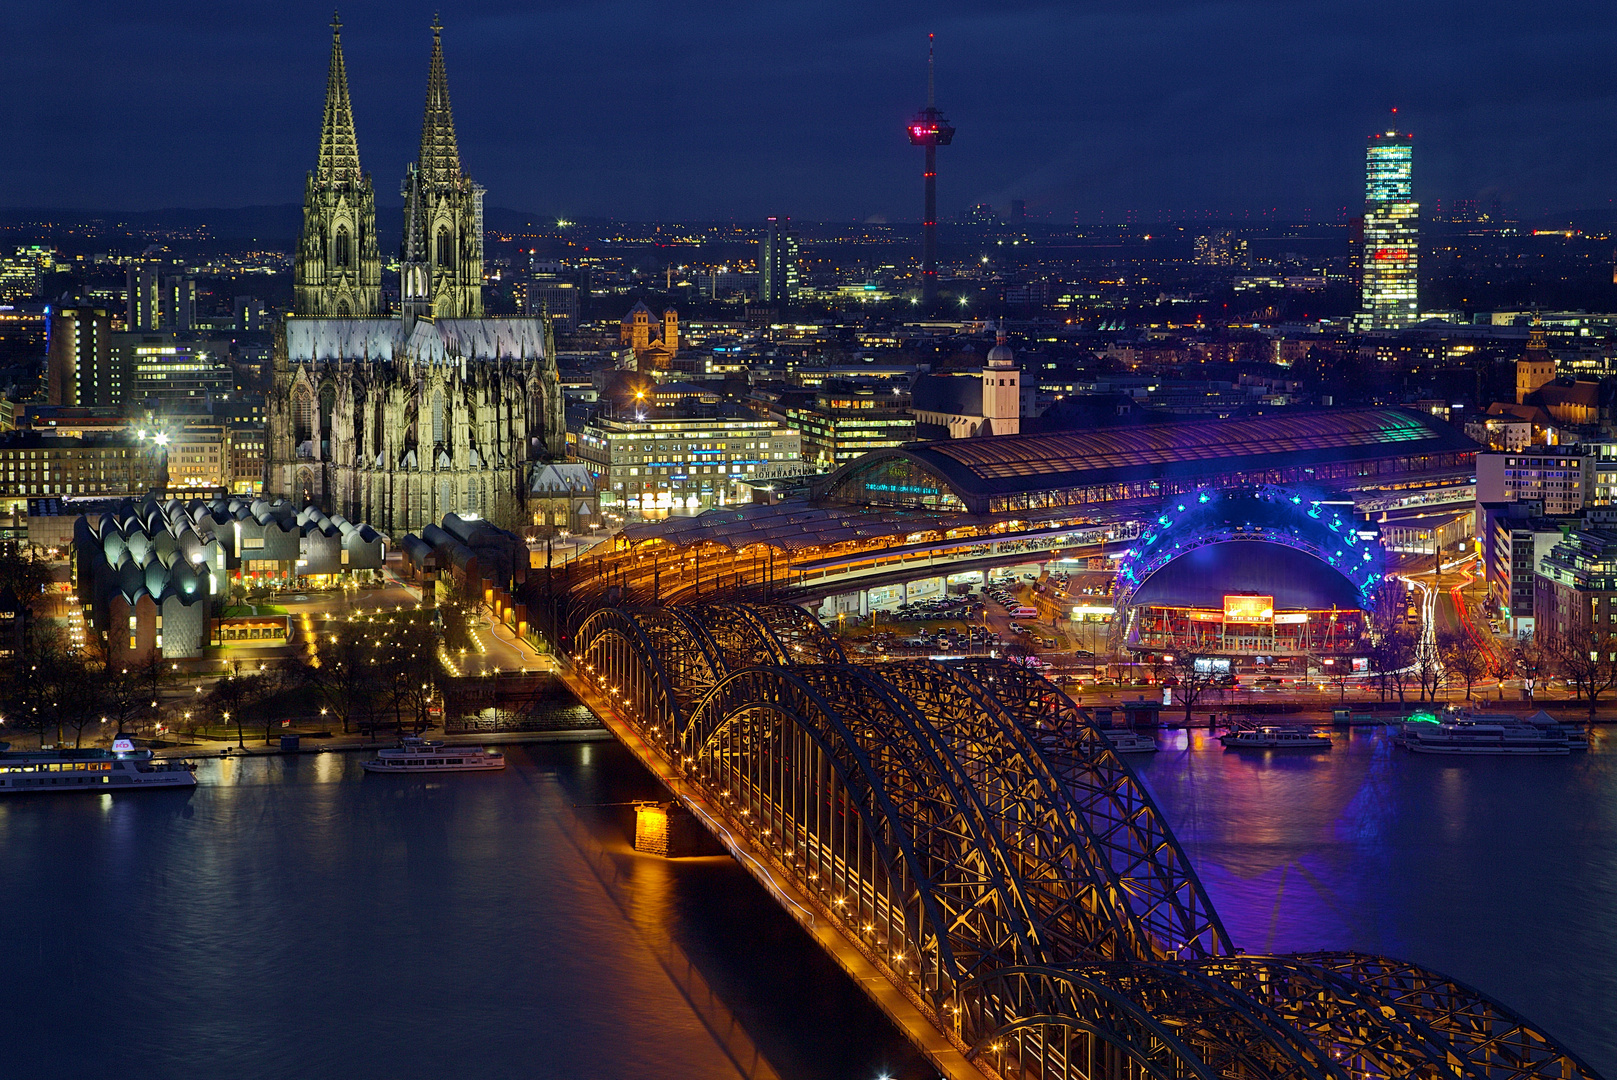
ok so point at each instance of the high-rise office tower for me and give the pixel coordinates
(161, 296)
(930, 130)
(81, 368)
(1391, 234)
(145, 297)
(250, 314)
(179, 303)
(1221, 247)
(777, 264)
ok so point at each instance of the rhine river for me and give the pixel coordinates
(295, 917)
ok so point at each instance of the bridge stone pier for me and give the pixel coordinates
(965, 842)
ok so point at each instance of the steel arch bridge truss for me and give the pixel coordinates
(975, 835)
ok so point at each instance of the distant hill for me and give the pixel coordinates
(272, 226)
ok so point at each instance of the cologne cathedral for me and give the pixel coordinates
(399, 418)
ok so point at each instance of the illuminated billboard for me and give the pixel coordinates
(1249, 609)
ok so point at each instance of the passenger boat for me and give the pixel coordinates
(1275, 738)
(1129, 741)
(1576, 738)
(1494, 736)
(123, 768)
(415, 755)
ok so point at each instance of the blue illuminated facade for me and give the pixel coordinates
(1263, 573)
(1291, 517)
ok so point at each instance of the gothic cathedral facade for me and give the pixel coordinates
(397, 419)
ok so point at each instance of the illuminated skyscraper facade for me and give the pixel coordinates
(777, 265)
(1391, 234)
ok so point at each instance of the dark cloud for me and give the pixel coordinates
(642, 109)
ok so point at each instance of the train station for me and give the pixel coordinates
(925, 511)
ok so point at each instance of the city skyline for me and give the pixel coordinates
(677, 120)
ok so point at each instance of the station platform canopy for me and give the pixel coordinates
(791, 526)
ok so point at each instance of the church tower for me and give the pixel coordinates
(1002, 389)
(441, 265)
(338, 270)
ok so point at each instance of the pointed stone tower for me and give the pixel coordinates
(338, 270)
(441, 264)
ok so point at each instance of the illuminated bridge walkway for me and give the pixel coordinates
(964, 841)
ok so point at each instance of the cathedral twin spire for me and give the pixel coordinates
(337, 270)
(439, 161)
(441, 266)
(339, 150)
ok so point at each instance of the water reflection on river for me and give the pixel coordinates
(1501, 872)
(296, 917)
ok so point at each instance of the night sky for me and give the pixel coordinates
(673, 110)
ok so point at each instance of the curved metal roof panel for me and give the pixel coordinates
(1011, 464)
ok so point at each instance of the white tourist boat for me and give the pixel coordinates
(1495, 736)
(1275, 738)
(123, 768)
(416, 755)
(1576, 738)
(1129, 741)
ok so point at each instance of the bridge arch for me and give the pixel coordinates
(747, 635)
(657, 660)
(1076, 865)
(839, 774)
(1340, 1016)
(976, 836)
(1132, 848)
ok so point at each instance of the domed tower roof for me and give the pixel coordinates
(1001, 355)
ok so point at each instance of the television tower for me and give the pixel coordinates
(931, 130)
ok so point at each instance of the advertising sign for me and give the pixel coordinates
(1249, 609)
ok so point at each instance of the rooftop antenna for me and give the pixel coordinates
(931, 92)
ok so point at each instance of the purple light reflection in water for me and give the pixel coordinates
(1501, 872)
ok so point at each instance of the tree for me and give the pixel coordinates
(122, 696)
(273, 683)
(1428, 670)
(1388, 639)
(149, 676)
(85, 698)
(457, 627)
(1587, 660)
(408, 670)
(31, 681)
(1335, 670)
(1530, 660)
(1464, 657)
(339, 672)
(1193, 677)
(26, 573)
(231, 697)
